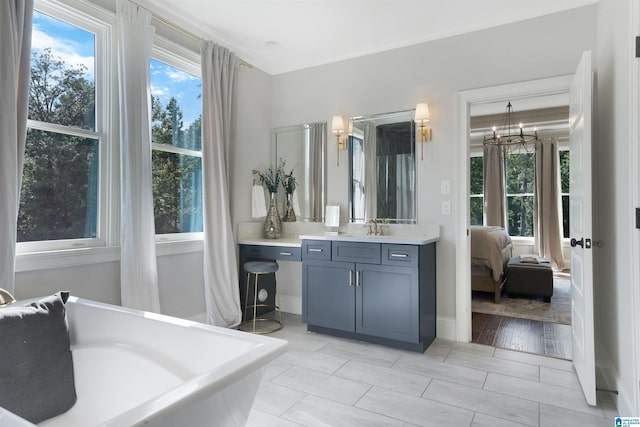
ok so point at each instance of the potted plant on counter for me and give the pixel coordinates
(289, 184)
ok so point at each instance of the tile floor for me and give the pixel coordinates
(326, 381)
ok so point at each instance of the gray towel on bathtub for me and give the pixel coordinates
(36, 368)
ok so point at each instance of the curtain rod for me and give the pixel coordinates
(185, 32)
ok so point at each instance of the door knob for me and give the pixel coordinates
(575, 242)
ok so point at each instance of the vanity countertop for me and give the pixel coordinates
(251, 234)
(393, 239)
(286, 241)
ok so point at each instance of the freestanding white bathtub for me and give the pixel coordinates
(137, 368)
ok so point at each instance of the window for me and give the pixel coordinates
(520, 181)
(476, 187)
(177, 146)
(564, 185)
(61, 195)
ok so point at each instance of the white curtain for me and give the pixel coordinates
(548, 206)
(221, 290)
(15, 73)
(370, 172)
(494, 187)
(138, 264)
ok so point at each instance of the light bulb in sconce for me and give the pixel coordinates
(421, 117)
(337, 128)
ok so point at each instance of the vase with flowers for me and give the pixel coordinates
(289, 185)
(271, 180)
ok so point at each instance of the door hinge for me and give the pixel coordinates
(637, 46)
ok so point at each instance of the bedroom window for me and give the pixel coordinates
(61, 196)
(176, 145)
(520, 181)
(564, 183)
(476, 202)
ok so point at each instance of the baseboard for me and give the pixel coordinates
(446, 327)
(290, 304)
(608, 378)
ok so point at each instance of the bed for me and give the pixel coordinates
(491, 249)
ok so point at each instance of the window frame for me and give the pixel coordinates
(99, 23)
(476, 154)
(523, 195)
(188, 61)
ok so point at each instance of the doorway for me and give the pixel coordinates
(528, 320)
(549, 89)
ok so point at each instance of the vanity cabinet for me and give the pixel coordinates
(267, 281)
(376, 292)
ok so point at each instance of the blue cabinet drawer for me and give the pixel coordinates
(355, 252)
(400, 255)
(284, 253)
(316, 249)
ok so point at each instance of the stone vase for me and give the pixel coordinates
(272, 223)
(289, 214)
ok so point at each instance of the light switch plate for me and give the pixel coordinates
(446, 207)
(445, 187)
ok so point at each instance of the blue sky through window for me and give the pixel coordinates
(168, 81)
(76, 46)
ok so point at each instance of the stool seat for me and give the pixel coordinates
(261, 267)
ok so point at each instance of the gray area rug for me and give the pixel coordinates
(528, 307)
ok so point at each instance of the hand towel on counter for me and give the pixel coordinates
(258, 203)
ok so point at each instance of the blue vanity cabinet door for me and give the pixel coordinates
(387, 302)
(328, 294)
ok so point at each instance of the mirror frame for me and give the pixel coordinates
(403, 115)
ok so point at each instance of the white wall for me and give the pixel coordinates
(615, 166)
(433, 72)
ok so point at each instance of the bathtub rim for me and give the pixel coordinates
(264, 350)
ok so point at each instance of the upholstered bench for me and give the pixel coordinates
(530, 278)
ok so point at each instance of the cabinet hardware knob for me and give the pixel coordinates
(357, 278)
(399, 255)
(315, 250)
(350, 277)
(286, 253)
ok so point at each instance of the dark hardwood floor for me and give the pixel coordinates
(531, 336)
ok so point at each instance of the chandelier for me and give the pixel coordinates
(508, 136)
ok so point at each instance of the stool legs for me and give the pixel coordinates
(255, 306)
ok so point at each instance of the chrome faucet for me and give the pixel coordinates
(6, 298)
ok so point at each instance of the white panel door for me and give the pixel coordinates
(580, 228)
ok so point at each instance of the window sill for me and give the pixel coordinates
(33, 261)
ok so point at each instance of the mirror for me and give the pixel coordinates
(304, 149)
(382, 167)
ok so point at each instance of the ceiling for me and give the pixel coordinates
(278, 36)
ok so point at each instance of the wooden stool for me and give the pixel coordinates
(258, 268)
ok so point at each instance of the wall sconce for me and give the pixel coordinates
(337, 128)
(422, 117)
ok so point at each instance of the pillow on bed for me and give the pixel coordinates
(36, 369)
